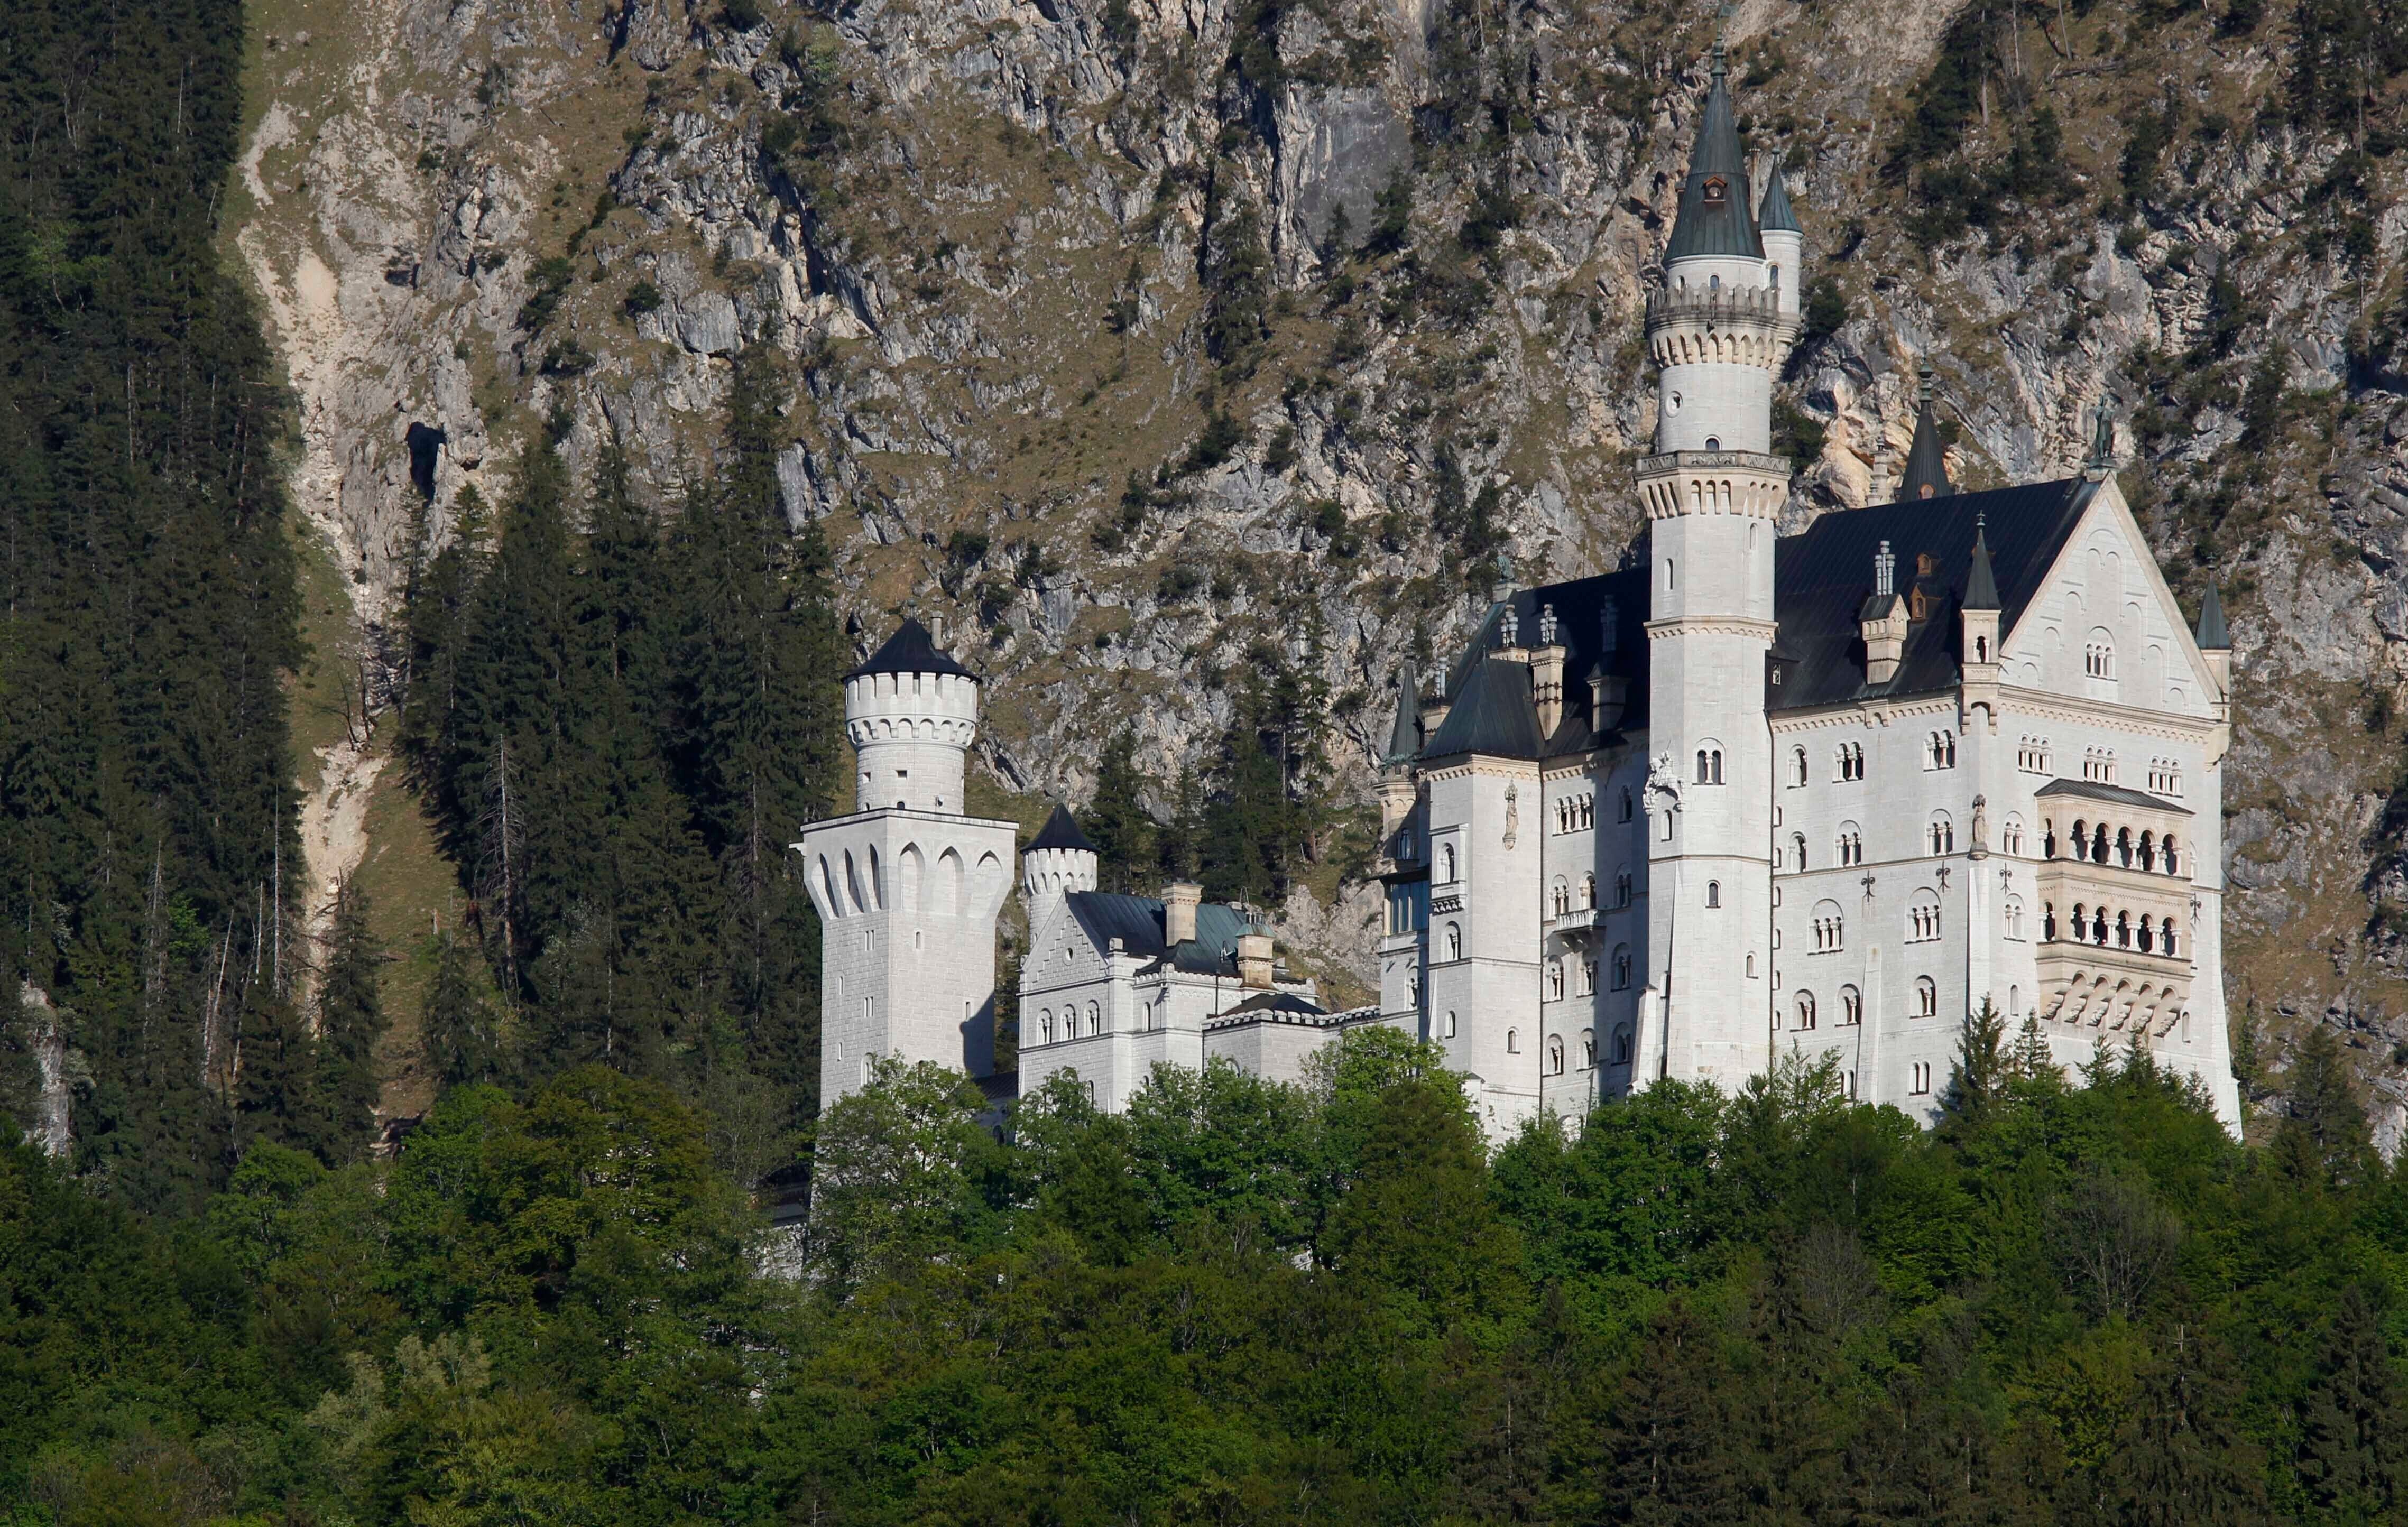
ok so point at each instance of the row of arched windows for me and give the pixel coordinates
(2032, 755)
(2099, 926)
(2165, 776)
(2101, 843)
(1852, 761)
(1068, 1023)
(2099, 658)
(1923, 919)
(1575, 814)
(1939, 751)
(1809, 1013)
(1710, 765)
(2098, 765)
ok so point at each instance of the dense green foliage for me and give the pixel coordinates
(620, 727)
(148, 844)
(1243, 1302)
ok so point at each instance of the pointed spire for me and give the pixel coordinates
(1405, 738)
(2212, 635)
(1981, 585)
(1773, 215)
(1061, 831)
(1926, 459)
(1714, 218)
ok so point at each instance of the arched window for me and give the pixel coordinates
(1045, 1024)
(1560, 898)
(1941, 835)
(2015, 916)
(1714, 892)
(1621, 888)
(1555, 980)
(1921, 1082)
(2015, 999)
(1667, 572)
(1850, 845)
(1830, 930)
(1445, 864)
(2099, 654)
(1588, 1049)
(1798, 847)
(2173, 865)
(1588, 891)
(1622, 967)
(1512, 1041)
(1588, 978)
(1446, 1028)
(1797, 767)
(1927, 997)
(1621, 1045)
(1923, 917)
(1805, 1010)
(2011, 835)
(1852, 1007)
(2166, 936)
(1094, 1020)
(1554, 1055)
(1710, 765)
(1625, 804)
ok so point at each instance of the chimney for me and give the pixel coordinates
(1434, 714)
(1882, 622)
(1254, 957)
(1178, 902)
(1609, 693)
(1547, 673)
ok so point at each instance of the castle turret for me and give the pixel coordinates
(1926, 459)
(1720, 331)
(909, 886)
(1057, 861)
(1785, 242)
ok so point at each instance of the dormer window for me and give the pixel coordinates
(1717, 191)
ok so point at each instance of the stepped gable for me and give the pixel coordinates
(1822, 576)
(911, 650)
(1061, 831)
(1136, 922)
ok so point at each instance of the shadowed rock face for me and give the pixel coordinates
(1010, 252)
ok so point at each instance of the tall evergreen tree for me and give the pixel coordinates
(1116, 822)
(351, 1021)
(2353, 1435)
(459, 1029)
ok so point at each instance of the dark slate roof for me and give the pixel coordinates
(1726, 227)
(1405, 738)
(1580, 607)
(1981, 584)
(1493, 714)
(1926, 459)
(1821, 578)
(1060, 832)
(2212, 635)
(1773, 215)
(1136, 922)
(2113, 794)
(911, 650)
(1274, 1002)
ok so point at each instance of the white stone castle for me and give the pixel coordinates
(1754, 794)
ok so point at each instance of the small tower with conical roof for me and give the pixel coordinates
(2215, 643)
(1719, 330)
(909, 886)
(1057, 861)
(1785, 242)
(1927, 459)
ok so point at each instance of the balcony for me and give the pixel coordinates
(1577, 925)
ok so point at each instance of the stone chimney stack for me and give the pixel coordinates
(1254, 957)
(1180, 899)
(1547, 673)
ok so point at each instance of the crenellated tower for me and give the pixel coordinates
(909, 886)
(1719, 330)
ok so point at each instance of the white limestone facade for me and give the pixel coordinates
(1821, 793)
(909, 886)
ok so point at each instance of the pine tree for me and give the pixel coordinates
(1116, 822)
(351, 1021)
(1670, 1455)
(2353, 1435)
(2323, 1139)
(2181, 1460)
(459, 1028)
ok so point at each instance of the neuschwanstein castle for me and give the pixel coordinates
(1826, 793)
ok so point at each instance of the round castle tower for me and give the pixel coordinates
(1720, 329)
(1057, 861)
(912, 713)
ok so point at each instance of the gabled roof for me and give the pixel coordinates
(2211, 635)
(1275, 1002)
(911, 650)
(1823, 576)
(1493, 715)
(1061, 831)
(1773, 215)
(2113, 794)
(1136, 922)
(1581, 606)
(1708, 223)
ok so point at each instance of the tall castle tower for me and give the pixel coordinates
(909, 886)
(1719, 330)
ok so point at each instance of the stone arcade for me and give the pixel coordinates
(1754, 794)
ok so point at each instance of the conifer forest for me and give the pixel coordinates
(523, 1207)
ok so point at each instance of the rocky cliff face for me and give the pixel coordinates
(1148, 338)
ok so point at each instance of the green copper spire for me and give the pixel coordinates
(1773, 215)
(1927, 461)
(1714, 218)
(2212, 635)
